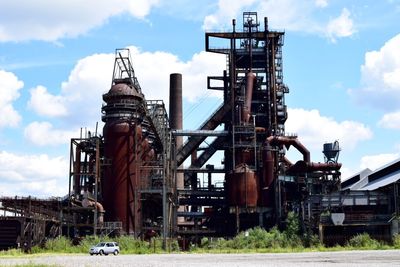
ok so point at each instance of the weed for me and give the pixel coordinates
(363, 241)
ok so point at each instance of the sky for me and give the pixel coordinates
(341, 61)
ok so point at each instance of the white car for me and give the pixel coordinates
(105, 248)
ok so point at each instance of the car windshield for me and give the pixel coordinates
(100, 245)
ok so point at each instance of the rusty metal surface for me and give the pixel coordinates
(175, 101)
(267, 178)
(289, 141)
(242, 187)
(120, 178)
(249, 96)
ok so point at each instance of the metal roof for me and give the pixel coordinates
(372, 180)
(383, 181)
(359, 180)
(387, 165)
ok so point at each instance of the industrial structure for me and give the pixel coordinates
(140, 178)
(261, 185)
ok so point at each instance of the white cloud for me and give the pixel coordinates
(346, 173)
(46, 104)
(78, 102)
(289, 15)
(390, 120)
(51, 20)
(42, 133)
(341, 26)
(227, 10)
(9, 92)
(321, 3)
(81, 94)
(380, 77)
(140, 8)
(314, 130)
(37, 175)
(161, 64)
(376, 161)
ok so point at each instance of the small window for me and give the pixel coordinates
(110, 244)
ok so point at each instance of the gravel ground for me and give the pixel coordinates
(371, 258)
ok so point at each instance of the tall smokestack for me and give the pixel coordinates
(175, 115)
(175, 101)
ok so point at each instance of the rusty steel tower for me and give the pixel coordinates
(135, 146)
(261, 185)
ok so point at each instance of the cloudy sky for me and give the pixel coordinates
(341, 63)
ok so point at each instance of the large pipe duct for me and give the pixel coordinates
(268, 166)
(304, 167)
(287, 162)
(175, 115)
(86, 202)
(249, 95)
(287, 142)
(268, 176)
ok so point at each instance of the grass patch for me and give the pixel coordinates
(127, 244)
(11, 252)
(35, 265)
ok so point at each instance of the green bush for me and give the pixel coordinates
(363, 241)
(292, 225)
(254, 239)
(396, 241)
(311, 241)
(292, 231)
(56, 245)
(173, 245)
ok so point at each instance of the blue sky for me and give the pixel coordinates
(341, 63)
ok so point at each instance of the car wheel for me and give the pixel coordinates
(116, 252)
(101, 252)
(91, 254)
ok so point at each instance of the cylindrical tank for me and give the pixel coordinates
(120, 176)
(121, 141)
(242, 187)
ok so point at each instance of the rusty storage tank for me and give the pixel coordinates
(122, 135)
(242, 187)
